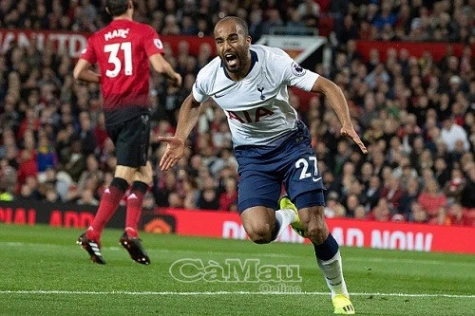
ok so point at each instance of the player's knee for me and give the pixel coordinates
(317, 233)
(260, 234)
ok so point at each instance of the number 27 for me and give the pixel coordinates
(302, 162)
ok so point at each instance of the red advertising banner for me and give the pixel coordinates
(70, 215)
(351, 233)
(416, 49)
(348, 232)
(72, 43)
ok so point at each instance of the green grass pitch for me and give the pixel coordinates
(43, 272)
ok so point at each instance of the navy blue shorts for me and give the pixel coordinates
(264, 169)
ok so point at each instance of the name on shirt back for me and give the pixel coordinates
(116, 33)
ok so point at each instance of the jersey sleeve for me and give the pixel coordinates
(295, 75)
(88, 53)
(199, 88)
(152, 42)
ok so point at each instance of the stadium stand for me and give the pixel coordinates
(415, 112)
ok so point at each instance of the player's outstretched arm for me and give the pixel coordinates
(162, 66)
(187, 119)
(338, 103)
(83, 72)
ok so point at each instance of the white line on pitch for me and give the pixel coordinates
(57, 292)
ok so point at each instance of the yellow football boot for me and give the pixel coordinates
(342, 305)
(286, 203)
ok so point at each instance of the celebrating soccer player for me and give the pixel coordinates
(249, 82)
(123, 50)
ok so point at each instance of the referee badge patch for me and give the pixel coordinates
(298, 70)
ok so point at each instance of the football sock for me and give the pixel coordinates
(283, 218)
(134, 207)
(109, 202)
(329, 261)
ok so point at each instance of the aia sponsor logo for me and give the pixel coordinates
(250, 116)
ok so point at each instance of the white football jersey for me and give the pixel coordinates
(257, 107)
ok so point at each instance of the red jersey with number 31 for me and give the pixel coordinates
(122, 50)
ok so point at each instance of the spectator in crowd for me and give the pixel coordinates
(228, 198)
(87, 198)
(191, 194)
(85, 134)
(352, 202)
(468, 196)
(333, 207)
(360, 212)
(454, 186)
(409, 195)
(457, 215)
(372, 192)
(209, 200)
(441, 171)
(381, 212)
(392, 192)
(432, 200)
(453, 133)
(418, 215)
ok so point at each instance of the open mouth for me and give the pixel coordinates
(231, 59)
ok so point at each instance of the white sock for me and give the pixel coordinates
(284, 218)
(332, 270)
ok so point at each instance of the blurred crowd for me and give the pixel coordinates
(414, 20)
(416, 115)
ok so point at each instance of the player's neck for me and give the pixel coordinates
(122, 18)
(125, 16)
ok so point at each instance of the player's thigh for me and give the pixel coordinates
(311, 207)
(124, 172)
(258, 188)
(133, 141)
(258, 221)
(144, 174)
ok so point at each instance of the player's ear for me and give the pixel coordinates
(132, 5)
(249, 39)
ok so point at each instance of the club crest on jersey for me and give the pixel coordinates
(298, 70)
(260, 89)
(158, 43)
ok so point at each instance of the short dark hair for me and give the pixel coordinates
(117, 7)
(238, 21)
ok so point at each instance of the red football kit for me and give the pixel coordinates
(122, 50)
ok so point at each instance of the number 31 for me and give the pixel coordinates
(113, 49)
